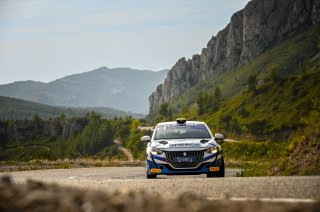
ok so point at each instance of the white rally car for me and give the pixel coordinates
(183, 147)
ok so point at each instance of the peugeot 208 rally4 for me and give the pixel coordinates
(183, 147)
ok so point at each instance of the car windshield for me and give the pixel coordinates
(174, 131)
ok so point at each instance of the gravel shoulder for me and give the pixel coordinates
(132, 179)
(33, 195)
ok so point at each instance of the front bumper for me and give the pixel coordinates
(158, 165)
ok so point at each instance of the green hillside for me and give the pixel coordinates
(11, 108)
(284, 81)
(272, 105)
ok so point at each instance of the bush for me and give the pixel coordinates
(258, 127)
(305, 147)
(243, 112)
(254, 151)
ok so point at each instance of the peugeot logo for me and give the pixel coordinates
(184, 154)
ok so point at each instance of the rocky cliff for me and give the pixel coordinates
(251, 31)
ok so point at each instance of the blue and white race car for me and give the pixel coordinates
(183, 147)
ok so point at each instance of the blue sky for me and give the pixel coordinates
(44, 40)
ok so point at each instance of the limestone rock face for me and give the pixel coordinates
(251, 31)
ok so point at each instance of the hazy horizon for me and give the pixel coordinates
(50, 81)
(47, 40)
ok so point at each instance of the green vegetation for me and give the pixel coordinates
(305, 147)
(252, 84)
(95, 136)
(59, 138)
(11, 108)
(252, 151)
(165, 112)
(255, 158)
(264, 99)
(270, 104)
(208, 102)
(298, 156)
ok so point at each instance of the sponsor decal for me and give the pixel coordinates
(214, 169)
(185, 145)
(155, 170)
(185, 159)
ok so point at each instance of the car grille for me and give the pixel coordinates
(184, 159)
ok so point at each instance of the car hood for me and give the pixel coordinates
(183, 143)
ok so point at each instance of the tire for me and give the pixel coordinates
(210, 175)
(148, 175)
(220, 173)
(151, 176)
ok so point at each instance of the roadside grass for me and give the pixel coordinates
(10, 166)
(255, 158)
(254, 150)
(63, 165)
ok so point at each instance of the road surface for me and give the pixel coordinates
(306, 188)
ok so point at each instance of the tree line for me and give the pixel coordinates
(62, 137)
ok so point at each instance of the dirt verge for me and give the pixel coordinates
(38, 196)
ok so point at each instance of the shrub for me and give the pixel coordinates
(258, 127)
(252, 83)
(243, 112)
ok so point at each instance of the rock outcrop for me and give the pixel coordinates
(251, 31)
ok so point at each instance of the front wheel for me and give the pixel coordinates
(148, 175)
(220, 173)
(210, 174)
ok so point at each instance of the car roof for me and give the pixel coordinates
(174, 122)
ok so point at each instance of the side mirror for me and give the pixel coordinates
(218, 136)
(146, 138)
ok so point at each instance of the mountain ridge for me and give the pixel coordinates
(102, 87)
(251, 31)
(18, 109)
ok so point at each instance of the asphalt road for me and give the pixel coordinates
(111, 179)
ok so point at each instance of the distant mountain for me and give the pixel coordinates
(122, 88)
(21, 87)
(11, 108)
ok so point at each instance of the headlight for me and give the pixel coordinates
(156, 151)
(214, 149)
